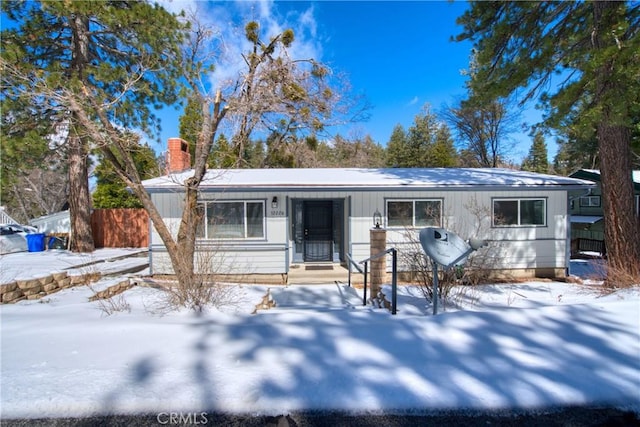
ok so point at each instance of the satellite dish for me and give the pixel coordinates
(443, 246)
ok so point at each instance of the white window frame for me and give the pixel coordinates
(519, 217)
(590, 202)
(413, 211)
(205, 205)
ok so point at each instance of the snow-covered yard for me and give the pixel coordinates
(525, 345)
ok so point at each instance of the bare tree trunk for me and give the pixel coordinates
(621, 231)
(186, 239)
(621, 234)
(79, 197)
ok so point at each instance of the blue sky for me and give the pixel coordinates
(398, 54)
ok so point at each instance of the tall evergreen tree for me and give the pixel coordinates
(111, 192)
(596, 45)
(573, 155)
(222, 155)
(537, 160)
(255, 154)
(89, 64)
(33, 173)
(427, 143)
(397, 152)
(421, 138)
(444, 154)
(190, 123)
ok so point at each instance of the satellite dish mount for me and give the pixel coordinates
(447, 249)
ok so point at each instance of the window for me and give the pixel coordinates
(414, 213)
(518, 212)
(232, 220)
(590, 201)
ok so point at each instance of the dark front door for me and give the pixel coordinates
(318, 230)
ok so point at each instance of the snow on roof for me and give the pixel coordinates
(585, 219)
(343, 178)
(635, 175)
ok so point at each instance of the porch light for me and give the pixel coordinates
(377, 219)
(274, 202)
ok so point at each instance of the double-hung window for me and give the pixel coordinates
(590, 201)
(519, 212)
(232, 220)
(414, 213)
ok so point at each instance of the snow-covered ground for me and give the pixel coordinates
(22, 265)
(525, 346)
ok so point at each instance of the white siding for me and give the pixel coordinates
(263, 259)
(467, 213)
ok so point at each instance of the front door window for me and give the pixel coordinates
(317, 230)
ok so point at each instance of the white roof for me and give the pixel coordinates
(356, 178)
(441, 178)
(635, 175)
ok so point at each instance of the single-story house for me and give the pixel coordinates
(585, 207)
(264, 221)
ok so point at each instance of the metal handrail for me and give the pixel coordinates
(394, 276)
(353, 263)
(378, 255)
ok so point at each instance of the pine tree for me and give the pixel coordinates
(222, 155)
(397, 150)
(33, 174)
(421, 138)
(427, 143)
(92, 67)
(111, 192)
(537, 160)
(444, 154)
(190, 124)
(523, 45)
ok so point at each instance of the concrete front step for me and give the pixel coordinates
(317, 273)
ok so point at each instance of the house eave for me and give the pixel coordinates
(337, 188)
(353, 179)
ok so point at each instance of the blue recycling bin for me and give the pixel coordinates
(35, 242)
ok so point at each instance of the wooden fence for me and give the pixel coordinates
(120, 228)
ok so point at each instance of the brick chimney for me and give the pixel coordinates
(178, 157)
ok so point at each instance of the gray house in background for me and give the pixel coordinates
(267, 221)
(585, 207)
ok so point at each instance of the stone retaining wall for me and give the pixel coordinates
(113, 290)
(38, 287)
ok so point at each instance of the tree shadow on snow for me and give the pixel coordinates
(281, 361)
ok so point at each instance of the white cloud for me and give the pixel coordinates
(413, 101)
(228, 20)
